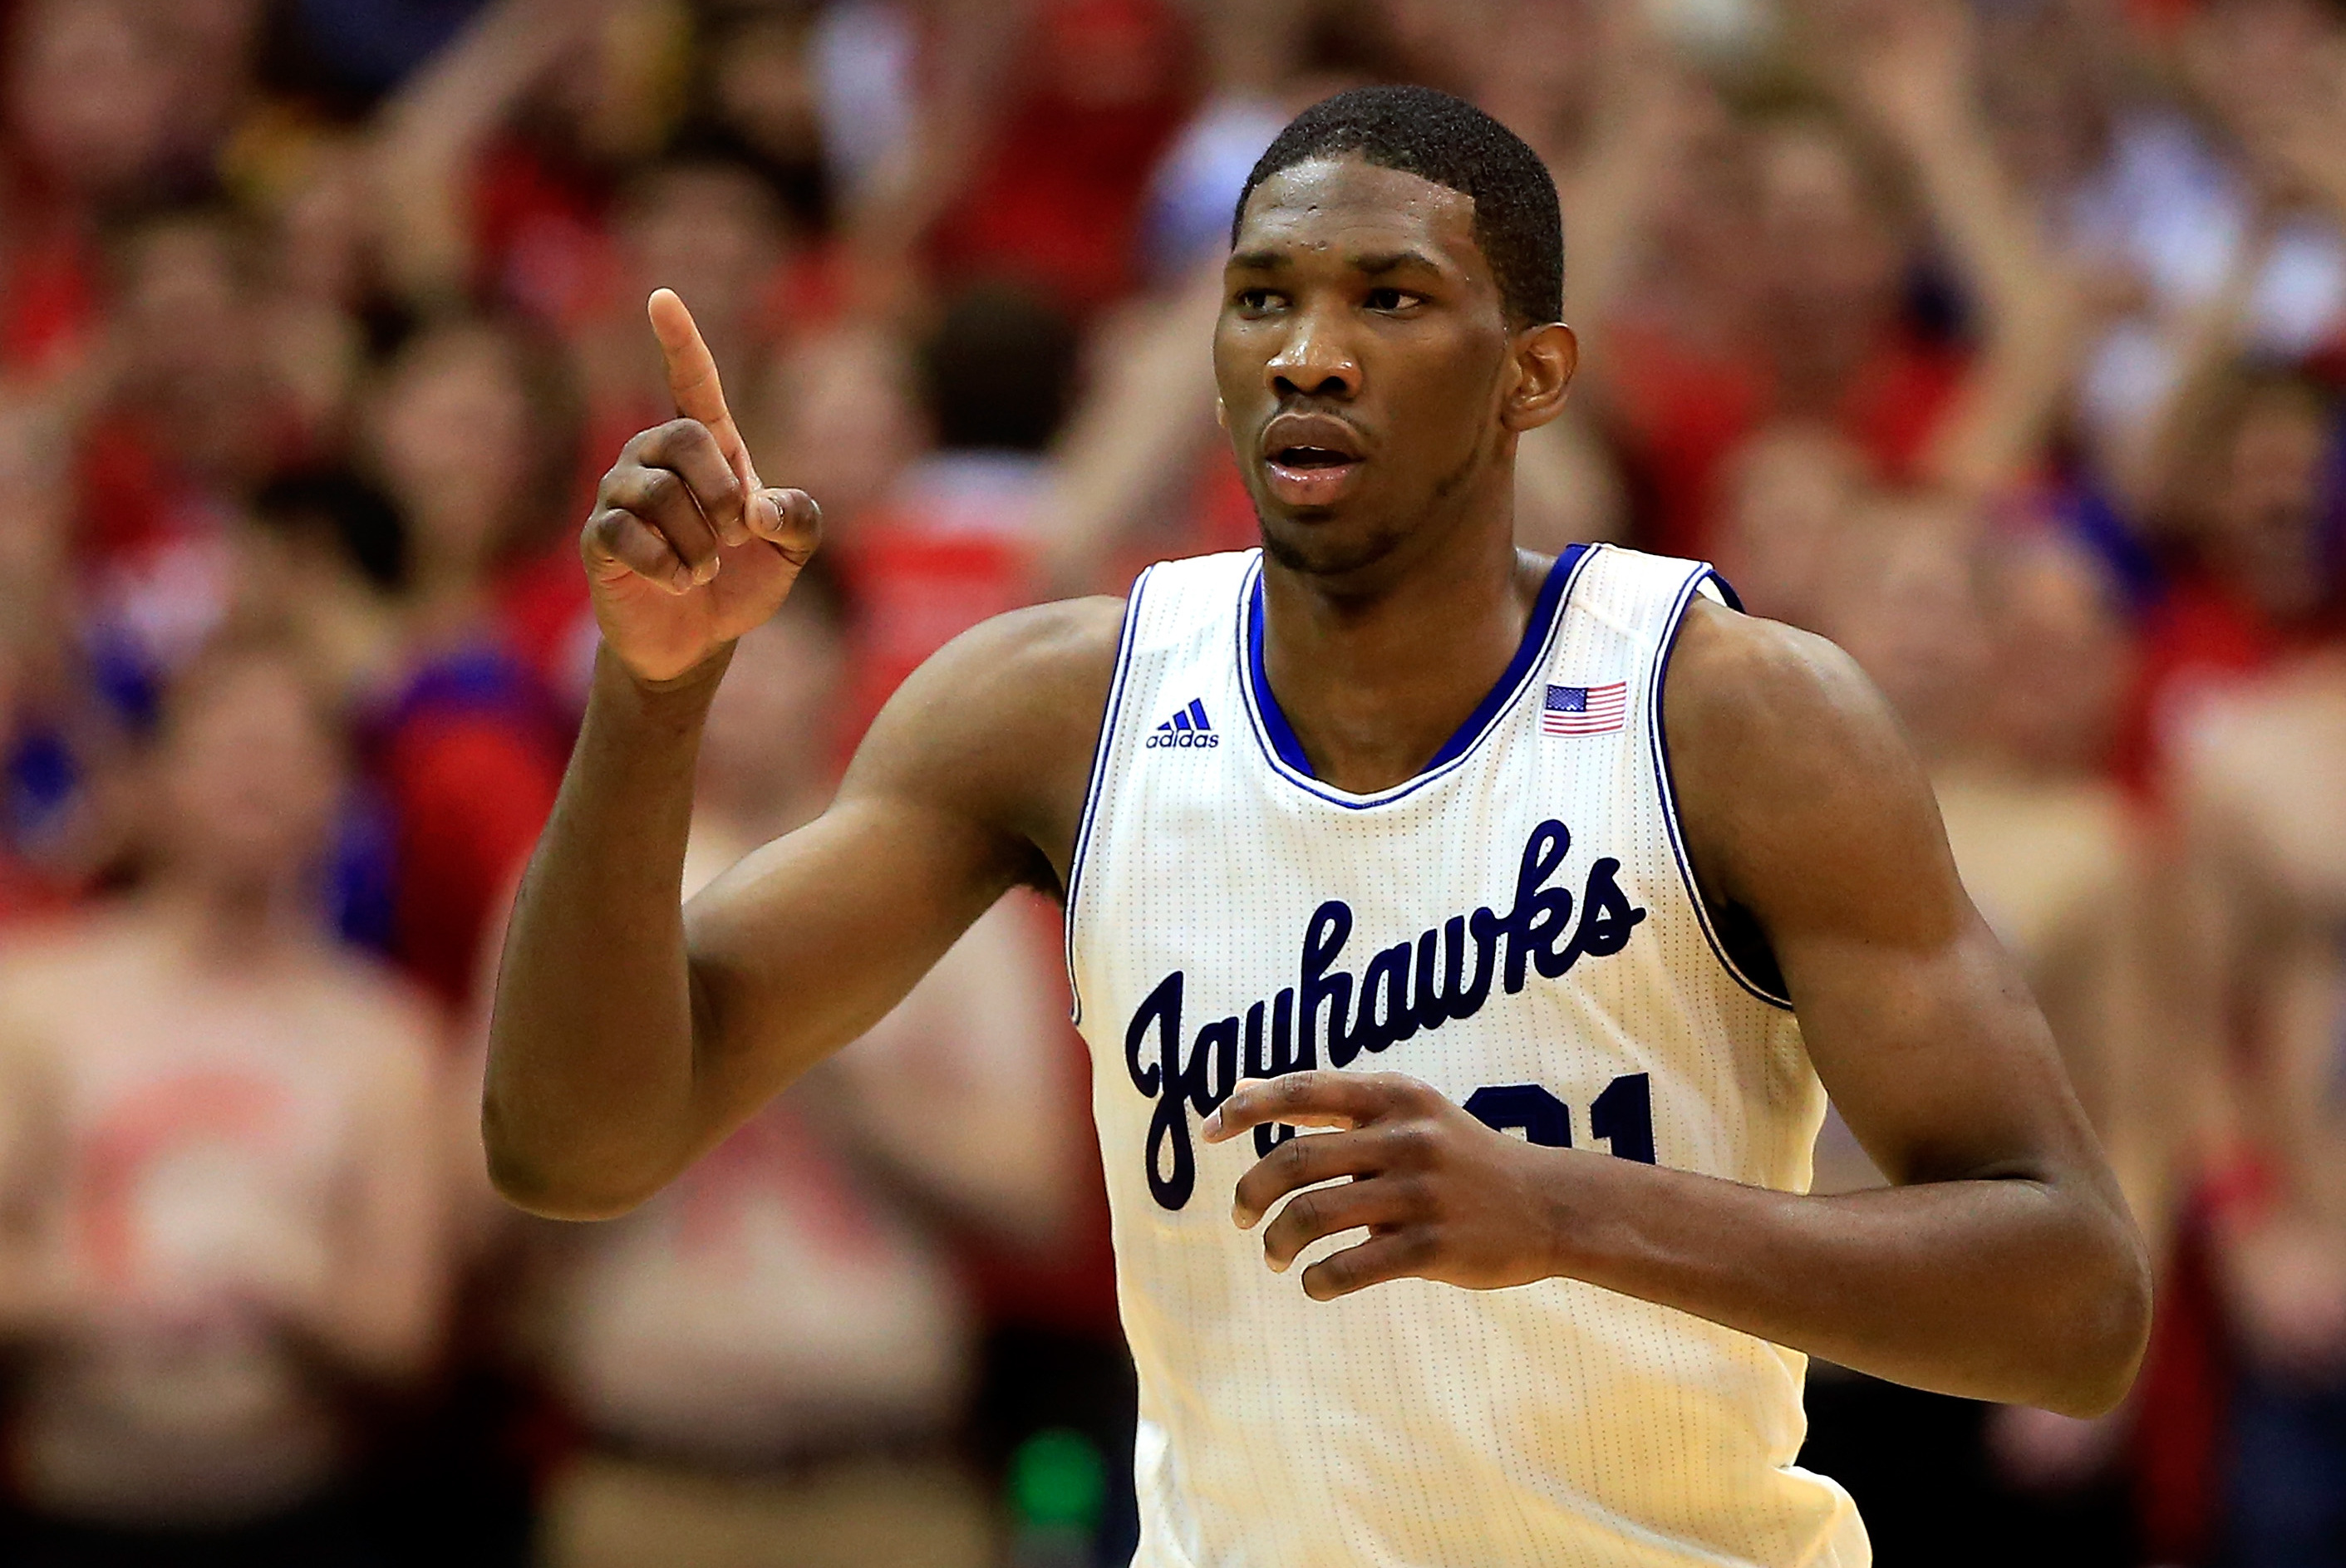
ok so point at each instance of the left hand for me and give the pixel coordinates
(1442, 1195)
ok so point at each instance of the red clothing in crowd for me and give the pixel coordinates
(469, 760)
(2201, 636)
(1682, 409)
(48, 296)
(540, 238)
(1056, 202)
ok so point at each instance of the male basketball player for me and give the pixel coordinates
(1556, 888)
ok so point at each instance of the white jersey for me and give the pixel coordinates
(1517, 926)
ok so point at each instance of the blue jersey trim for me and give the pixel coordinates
(1661, 750)
(1109, 717)
(1285, 753)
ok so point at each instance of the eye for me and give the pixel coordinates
(1256, 301)
(1389, 298)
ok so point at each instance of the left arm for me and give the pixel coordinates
(2000, 1264)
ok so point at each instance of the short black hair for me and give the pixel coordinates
(336, 507)
(998, 371)
(1449, 141)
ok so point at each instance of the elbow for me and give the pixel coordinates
(551, 1186)
(2111, 1321)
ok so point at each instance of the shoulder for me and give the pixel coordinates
(1000, 725)
(1792, 776)
(64, 960)
(1036, 670)
(1067, 645)
(1741, 688)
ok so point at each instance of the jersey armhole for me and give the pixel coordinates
(1101, 753)
(1710, 585)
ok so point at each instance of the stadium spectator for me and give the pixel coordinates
(957, 537)
(466, 430)
(2253, 501)
(2269, 996)
(224, 1186)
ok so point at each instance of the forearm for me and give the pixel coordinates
(1988, 225)
(431, 131)
(2005, 412)
(2008, 1290)
(588, 1104)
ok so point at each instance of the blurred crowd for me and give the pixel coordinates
(2002, 340)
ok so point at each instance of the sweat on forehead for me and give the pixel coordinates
(1452, 143)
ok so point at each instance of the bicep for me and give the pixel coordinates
(1934, 1052)
(808, 941)
(1808, 807)
(967, 784)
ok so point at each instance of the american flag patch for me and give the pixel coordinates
(1584, 709)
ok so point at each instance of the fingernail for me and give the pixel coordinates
(707, 571)
(1213, 1126)
(1243, 1216)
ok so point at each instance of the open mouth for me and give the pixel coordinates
(1310, 460)
(1311, 457)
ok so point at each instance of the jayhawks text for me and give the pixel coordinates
(1406, 987)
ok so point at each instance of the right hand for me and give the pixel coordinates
(686, 550)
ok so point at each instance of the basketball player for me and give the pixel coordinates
(1559, 890)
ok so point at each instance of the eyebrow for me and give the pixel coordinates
(1378, 265)
(1375, 265)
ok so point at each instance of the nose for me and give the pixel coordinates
(1315, 360)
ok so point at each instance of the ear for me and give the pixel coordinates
(1546, 358)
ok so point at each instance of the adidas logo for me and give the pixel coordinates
(1186, 728)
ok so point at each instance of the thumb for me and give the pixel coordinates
(790, 521)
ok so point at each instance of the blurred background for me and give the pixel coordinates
(2003, 340)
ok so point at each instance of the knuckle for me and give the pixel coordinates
(1303, 1213)
(1408, 1143)
(1402, 1088)
(602, 530)
(1414, 1195)
(1419, 1247)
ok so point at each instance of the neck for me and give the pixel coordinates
(1373, 677)
(445, 599)
(238, 923)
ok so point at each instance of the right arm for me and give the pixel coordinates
(631, 1033)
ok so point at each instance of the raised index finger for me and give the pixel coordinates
(693, 380)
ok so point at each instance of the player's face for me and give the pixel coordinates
(1366, 365)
